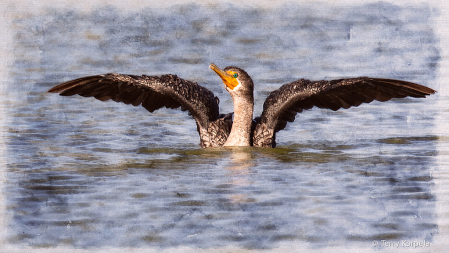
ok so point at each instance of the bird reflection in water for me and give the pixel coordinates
(241, 162)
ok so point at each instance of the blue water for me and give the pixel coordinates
(87, 174)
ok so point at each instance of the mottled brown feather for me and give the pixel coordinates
(152, 92)
(283, 104)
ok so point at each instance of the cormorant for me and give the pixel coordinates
(215, 129)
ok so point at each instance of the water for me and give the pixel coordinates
(80, 173)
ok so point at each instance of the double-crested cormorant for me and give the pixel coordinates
(216, 129)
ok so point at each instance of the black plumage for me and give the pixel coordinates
(280, 107)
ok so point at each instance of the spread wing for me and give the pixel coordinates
(282, 105)
(151, 92)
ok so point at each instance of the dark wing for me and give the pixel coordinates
(151, 92)
(282, 105)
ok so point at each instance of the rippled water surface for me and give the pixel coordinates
(86, 174)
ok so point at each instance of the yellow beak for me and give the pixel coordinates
(230, 81)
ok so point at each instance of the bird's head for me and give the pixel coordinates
(237, 81)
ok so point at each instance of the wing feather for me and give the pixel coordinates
(282, 105)
(152, 92)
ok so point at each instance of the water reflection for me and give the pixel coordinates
(194, 193)
(241, 162)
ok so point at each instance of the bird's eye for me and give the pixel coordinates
(235, 75)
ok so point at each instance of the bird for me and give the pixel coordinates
(238, 128)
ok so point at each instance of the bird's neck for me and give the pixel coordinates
(241, 127)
